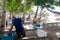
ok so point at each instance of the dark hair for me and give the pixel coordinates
(34, 21)
(13, 17)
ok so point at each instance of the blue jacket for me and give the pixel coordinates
(17, 22)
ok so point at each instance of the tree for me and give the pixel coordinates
(13, 6)
(36, 12)
(27, 7)
(3, 16)
(0, 3)
(17, 6)
(0, 7)
(55, 12)
(44, 4)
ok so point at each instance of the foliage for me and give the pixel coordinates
(0, 3)
(44, 3)
(0, 12)
(13, 5)
(17, 6)
(0, 7)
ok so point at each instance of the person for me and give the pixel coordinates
(17, 22)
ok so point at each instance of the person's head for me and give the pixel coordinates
(13, 17)
(34, 22)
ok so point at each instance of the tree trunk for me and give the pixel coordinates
(41, 16)
(3, 20)
(24, 10)
(55, 12)
(10, 15)
(29, 16)
(36, 12)
(41, 13)
(18, 14)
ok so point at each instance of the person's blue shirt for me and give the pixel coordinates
(17, 22)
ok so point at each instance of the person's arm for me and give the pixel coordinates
(11, 27)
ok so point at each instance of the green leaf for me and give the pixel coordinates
(0, 3)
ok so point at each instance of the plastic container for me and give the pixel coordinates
(41, 33)
(9, 36)
(4, 37)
